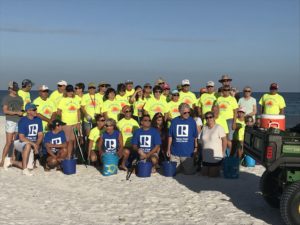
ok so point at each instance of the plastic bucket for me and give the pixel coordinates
(249, 162)
(169, 168)
(144, 169)
(231, 167)
(275, 121)
(110, 164)
(69, 166)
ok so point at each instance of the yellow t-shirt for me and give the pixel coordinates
(69, 110)
(187, 97)
(112, 108)
(272, 103)
(129, 93)
(238, 135)
(226, 106)
(127, 127)
(56, 97)
(45, 108)
(123, 100)
(25, 96)
(78, 98)
(92, 104)
(222, 122)
(173, 109)
(154, 106)
(138, 105)
(94, 135)
(206, 101)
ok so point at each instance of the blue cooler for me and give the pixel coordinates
(144, 169)
(231, 167)
(69, 166)
(110, 164)
(169, 168)
(249, 162)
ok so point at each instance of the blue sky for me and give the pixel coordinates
(255, 41)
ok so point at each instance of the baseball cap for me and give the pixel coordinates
(62, 82)
(185, 82)
(91, 84)
(174, 92)
(30, 106)
(128, 82)
(13, 85)
(147, 85)
(57, 122)
(210, 83)
(26, 82)
(43, 87)
(242, 109)
(160, 81)
(274, 86)
(69, 88)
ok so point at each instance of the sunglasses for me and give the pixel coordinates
(184, 113)
(175, 95)
(157, 92)
(146, 120)
(90, 88)
(59, 85)
(273, 89)
(127, 111)
(209, 117)
(226, 89)
(103, 120)
(186, 85)
(108, 125)
(225, 80)
(247, 90)
(45, 91)
(161, 83)
(104, 85)
(147, 86)
(76, 88)
(32, 110)
(209, 86)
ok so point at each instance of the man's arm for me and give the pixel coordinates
(169, 146)
(154, 150)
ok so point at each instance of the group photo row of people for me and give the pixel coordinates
(147, 122)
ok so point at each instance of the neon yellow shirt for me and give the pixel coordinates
(238, 135)
(154, 106)
(127, 127)
(138, 105)
(69, 110)
(226, 106)
(206, 102)
(173, 109)
(25, 96)
(94, 136)
(272, 103)
(123, 100)
(56, 97)
(92, 104)
(112, 108)
(222, 122)
(45, 108)
(129, 93)
(188, 98)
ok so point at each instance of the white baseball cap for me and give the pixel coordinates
(185, 82)
(43, 87)
(210, 83)
(62, 82)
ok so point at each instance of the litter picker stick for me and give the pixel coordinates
(78, 143)
(133, 165)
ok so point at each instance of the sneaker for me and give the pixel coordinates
(27, 173)
(7, 163)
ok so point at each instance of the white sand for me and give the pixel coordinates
(89, 198)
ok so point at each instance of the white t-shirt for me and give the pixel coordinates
(211, 140)
(247, 103)
(199, 123)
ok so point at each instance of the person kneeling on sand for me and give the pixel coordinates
(56, 145)
(146, 142)
(30, 138)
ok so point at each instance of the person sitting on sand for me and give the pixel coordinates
(30, 138)
(182, 141)
(56, 145)
(146, 142)
(111, 141)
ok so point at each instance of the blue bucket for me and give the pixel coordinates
(144, 169)
(250, 162)
(231, 167)
(69, 166)
(110, 164)
(169, 168)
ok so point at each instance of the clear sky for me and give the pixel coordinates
(256, 42)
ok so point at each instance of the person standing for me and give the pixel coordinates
(272, 102)
(138, 101)
(24, 92)
(12, 106)
(186, 96)
(111, 106)
(129, 88)
(182, 141)
(173, 105)
(30, 138)
(207, 100)
(121, 95)
(46, 109)
(58, 94)
(248, 102)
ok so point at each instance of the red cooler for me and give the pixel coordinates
(270, 120)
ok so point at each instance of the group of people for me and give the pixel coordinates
(144, 122)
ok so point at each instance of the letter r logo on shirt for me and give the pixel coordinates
(110, 144)
(182, 130)
(33, 130)
(145, 141)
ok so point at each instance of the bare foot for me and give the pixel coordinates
(153, 170)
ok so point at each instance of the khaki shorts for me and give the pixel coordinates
(186, 164)
(11, 127)
(68, 129)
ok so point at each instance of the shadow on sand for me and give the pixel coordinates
(243, 192)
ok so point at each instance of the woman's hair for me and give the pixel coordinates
(80, 85)
(110, 121)
(109, 90)
(137, 87)
(157, 88)
(209, 113)
(121, 88)
(98, 116)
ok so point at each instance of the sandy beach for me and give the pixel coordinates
(89, 198)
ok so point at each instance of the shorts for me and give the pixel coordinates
(184, 163)
(11, 127)
(87, 126)
(68, 129)
(19, 146)
(231, 131)
(212, 164)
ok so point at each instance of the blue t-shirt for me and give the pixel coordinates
(146, 139)
(56, 139)
(183, 133)
(110, 142)
(30, 128)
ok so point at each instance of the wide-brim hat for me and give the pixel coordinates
(225, 77)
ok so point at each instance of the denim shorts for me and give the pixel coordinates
(11, 127)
